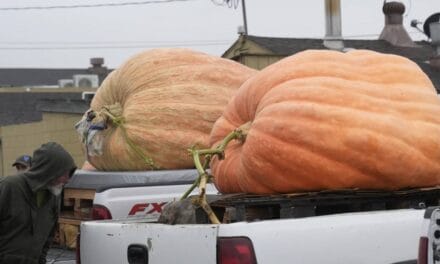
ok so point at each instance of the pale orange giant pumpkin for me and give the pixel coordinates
(87, 166)
(323, 120)
(159, 104)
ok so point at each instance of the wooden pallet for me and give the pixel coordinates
(245, 207)
(81, 200)
(68, 231)
(79, 204)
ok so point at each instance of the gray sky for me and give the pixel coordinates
(64, 38)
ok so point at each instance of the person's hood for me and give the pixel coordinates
(49, 162)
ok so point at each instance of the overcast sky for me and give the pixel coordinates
(67, 38)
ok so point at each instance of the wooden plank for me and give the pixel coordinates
(68, 234)
(70, 221)
(79, 193)
(77, 208)
(68, 202)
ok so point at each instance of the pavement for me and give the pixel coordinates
(59, 255)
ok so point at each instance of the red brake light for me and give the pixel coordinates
(100, 212)
(78, 249)
(423, 251)
(235, 250)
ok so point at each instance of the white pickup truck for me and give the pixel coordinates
(324, 227)
(121, 195)
(429, 243)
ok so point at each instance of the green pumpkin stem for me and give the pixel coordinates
(114, 114)
(203, 177)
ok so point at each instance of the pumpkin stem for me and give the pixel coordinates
(203, 177)
(114, 114)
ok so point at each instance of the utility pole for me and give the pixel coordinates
(333, 28)
(243, 5)
(333, 19)
(243, 8)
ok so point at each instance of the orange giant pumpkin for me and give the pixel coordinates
(322, 120)
(159, 104)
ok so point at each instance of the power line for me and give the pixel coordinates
(89, 5)
(111, 47)
(229, 3)
(221, 3)
(160, 42)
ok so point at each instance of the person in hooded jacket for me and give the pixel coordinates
(29, 205)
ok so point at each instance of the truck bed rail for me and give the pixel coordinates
(245, 207)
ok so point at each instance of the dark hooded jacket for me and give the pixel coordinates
(25, 224)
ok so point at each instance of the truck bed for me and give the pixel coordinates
(363, 237)
(344, 226)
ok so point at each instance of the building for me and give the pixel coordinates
(41, 105)
(39, 77)
(31, 117)
(258, 52)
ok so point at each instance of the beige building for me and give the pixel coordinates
(37, 117)
(248, 51)
(34, 110)
(25, 138)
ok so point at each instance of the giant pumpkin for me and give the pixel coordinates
(321, 120)
(159, 104)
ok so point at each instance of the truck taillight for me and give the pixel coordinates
(235, 250)
(423, 251)
(78, 249)
(100, 212)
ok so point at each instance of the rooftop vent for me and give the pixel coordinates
(394, 32)
(97, 62)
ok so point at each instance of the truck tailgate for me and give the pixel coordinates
(368, 237)
(108, 241)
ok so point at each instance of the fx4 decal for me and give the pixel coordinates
(148, 208)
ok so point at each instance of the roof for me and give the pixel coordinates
(34, 77)
(288, 46)
(27, 107)
(43, 77)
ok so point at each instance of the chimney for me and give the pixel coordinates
(98, 68)
(394, 32)
(96, 62)
(434, 28)
(333, 28)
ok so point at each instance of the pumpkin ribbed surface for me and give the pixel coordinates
(163, 101)
(87, 166)
(322, 120)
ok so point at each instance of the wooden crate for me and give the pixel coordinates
(68, 231)
(81, 200)
(77, 206)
